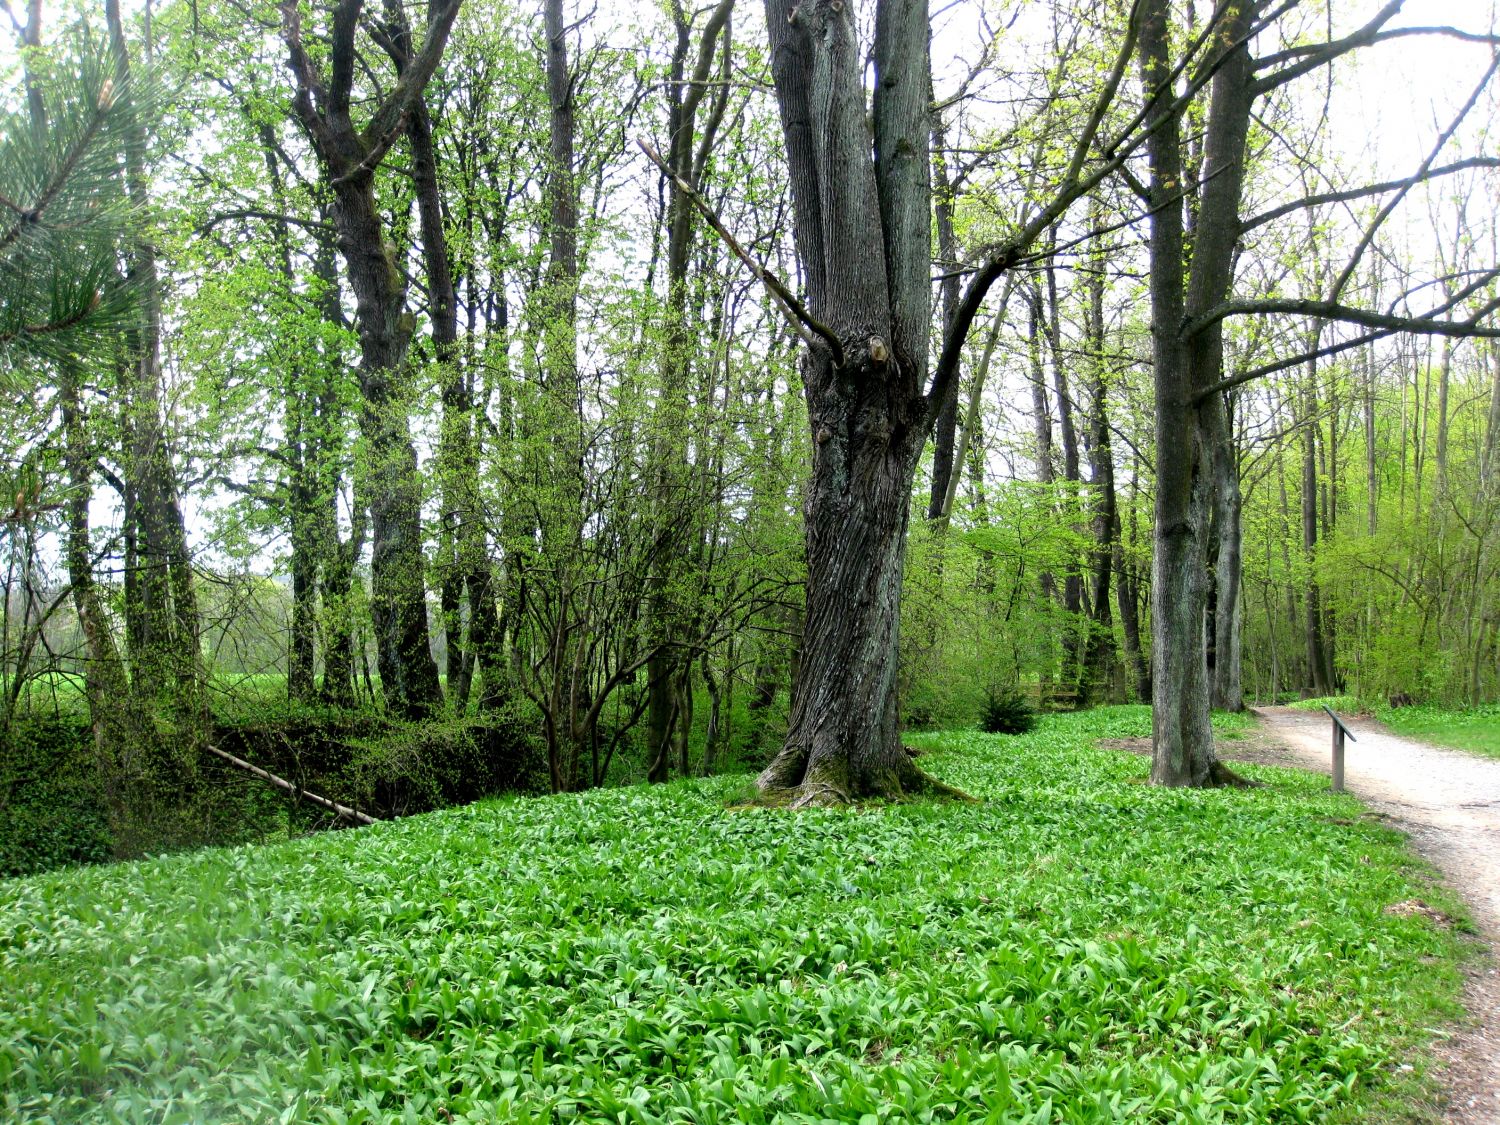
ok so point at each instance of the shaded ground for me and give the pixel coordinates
(1448, 802)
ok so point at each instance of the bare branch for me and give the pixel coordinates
(807, 325)
(1367, 190)
(1348, 314)
(1323, 53)
(1421, 172)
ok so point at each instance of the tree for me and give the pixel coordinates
(1192, 273)
(349, 157)
(861, 193)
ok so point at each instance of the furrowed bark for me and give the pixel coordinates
(863, 234)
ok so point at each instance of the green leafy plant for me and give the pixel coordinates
(648, 955)
(1007, 713)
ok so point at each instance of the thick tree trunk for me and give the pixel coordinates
(863, 233)
(349, 157)
(844, 742)
(398, 587)
(1188, 418)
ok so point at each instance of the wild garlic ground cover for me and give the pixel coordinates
(1075, 947)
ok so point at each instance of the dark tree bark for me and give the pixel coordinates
(863, 235)
(1046, 470)
(1074, 645)
(1187, 422)
(349, 158)
(464, 559)
(862, 224)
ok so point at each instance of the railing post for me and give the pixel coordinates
(1340, 732)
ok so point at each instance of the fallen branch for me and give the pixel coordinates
(282, 783)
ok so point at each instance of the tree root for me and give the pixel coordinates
(1221, 776)
(831, 788)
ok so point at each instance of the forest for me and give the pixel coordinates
(434, 402)
(762, 526)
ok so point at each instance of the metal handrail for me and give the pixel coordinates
(1340, 732)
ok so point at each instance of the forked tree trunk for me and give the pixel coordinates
(864, 236)
(349, 157)
(1189, 418)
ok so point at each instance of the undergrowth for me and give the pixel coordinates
(1078, 947)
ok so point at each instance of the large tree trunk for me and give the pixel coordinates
(349, 157)
(1189, 418)
(398, 587)
(844, 741)
(863, 233)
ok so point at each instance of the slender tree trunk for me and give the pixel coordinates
(1228, 694)
(167, 661)
(398, 587)
(128, 751)
(669, 670)
(1317, 664)
(304, 518)
(1099, 660)
(1046, 472)
(944, 433)
(967, 436)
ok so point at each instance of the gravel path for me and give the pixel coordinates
(1449, 804)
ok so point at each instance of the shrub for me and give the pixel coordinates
(1007, 713)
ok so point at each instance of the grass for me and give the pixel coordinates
(1078, 947)
(1476, 729)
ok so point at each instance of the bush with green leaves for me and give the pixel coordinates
(1007, 713)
